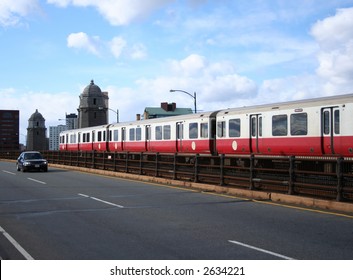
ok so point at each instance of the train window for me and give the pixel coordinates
(110, 135)
(132, 134)
(158, 132)
(148, 133)
(116, 135)
(326, 122)
(180, 129)
(99, 136)
(104, 135)
(204, 130)
(73, 138)
(279, 125)
(253, 127)
(221, 129)
(260, 126)
(299, 124)
(79, 138)
(166, 132)
(337, 121)
(193, 130)
(123, 134)
(138, 134)
(234, 128)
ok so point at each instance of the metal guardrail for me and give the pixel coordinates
(327, 178)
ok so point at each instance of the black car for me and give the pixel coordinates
(31, 161)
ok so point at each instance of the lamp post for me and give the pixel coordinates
(193, 96)
(116, 112)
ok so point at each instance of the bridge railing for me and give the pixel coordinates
(327, 178)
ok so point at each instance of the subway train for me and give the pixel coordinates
(312, 127)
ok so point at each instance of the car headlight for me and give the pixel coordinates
(26, 163)
(45, 162)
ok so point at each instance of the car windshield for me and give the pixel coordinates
(32, 156)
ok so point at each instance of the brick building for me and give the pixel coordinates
(9, 129)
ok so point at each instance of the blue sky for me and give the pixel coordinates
(232, 53)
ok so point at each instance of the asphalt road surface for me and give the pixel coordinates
(71, 215)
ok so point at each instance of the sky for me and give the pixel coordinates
(232, 53)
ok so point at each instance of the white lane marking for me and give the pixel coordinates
(37, 181)
(100, 200)
(261, 250)
(8, 172)
(16, 245)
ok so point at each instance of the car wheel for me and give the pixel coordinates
(17, 167)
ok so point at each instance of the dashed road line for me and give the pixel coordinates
(37, 181)
(100, 200)
(261, 250)
(8, 172)
(16, 245)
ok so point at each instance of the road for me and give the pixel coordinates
(72, 215)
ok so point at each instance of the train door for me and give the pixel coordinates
(123, 138)
(148, 137)
(179, 136)
(330, 129)
(255, 133)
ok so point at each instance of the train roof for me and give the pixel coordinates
(304, 103)
(167, 119)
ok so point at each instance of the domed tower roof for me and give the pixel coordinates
(36, 116)
(92, 89)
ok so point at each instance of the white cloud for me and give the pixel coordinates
(11, 12)
(117, 12)
(335, 38)
(190, 66)
(117, 45)
(138, 51)
(81, 40)
(28, 102)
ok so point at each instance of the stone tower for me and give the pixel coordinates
(36, 132)
(93, 109)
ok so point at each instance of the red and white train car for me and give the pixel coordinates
(177, 134)
(315, 127)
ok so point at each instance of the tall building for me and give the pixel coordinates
(9, 129)
(71, 121)
(93, 108)
(36, 132)
(54, 132)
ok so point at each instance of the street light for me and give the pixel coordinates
(116, 112)
(193, 96)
